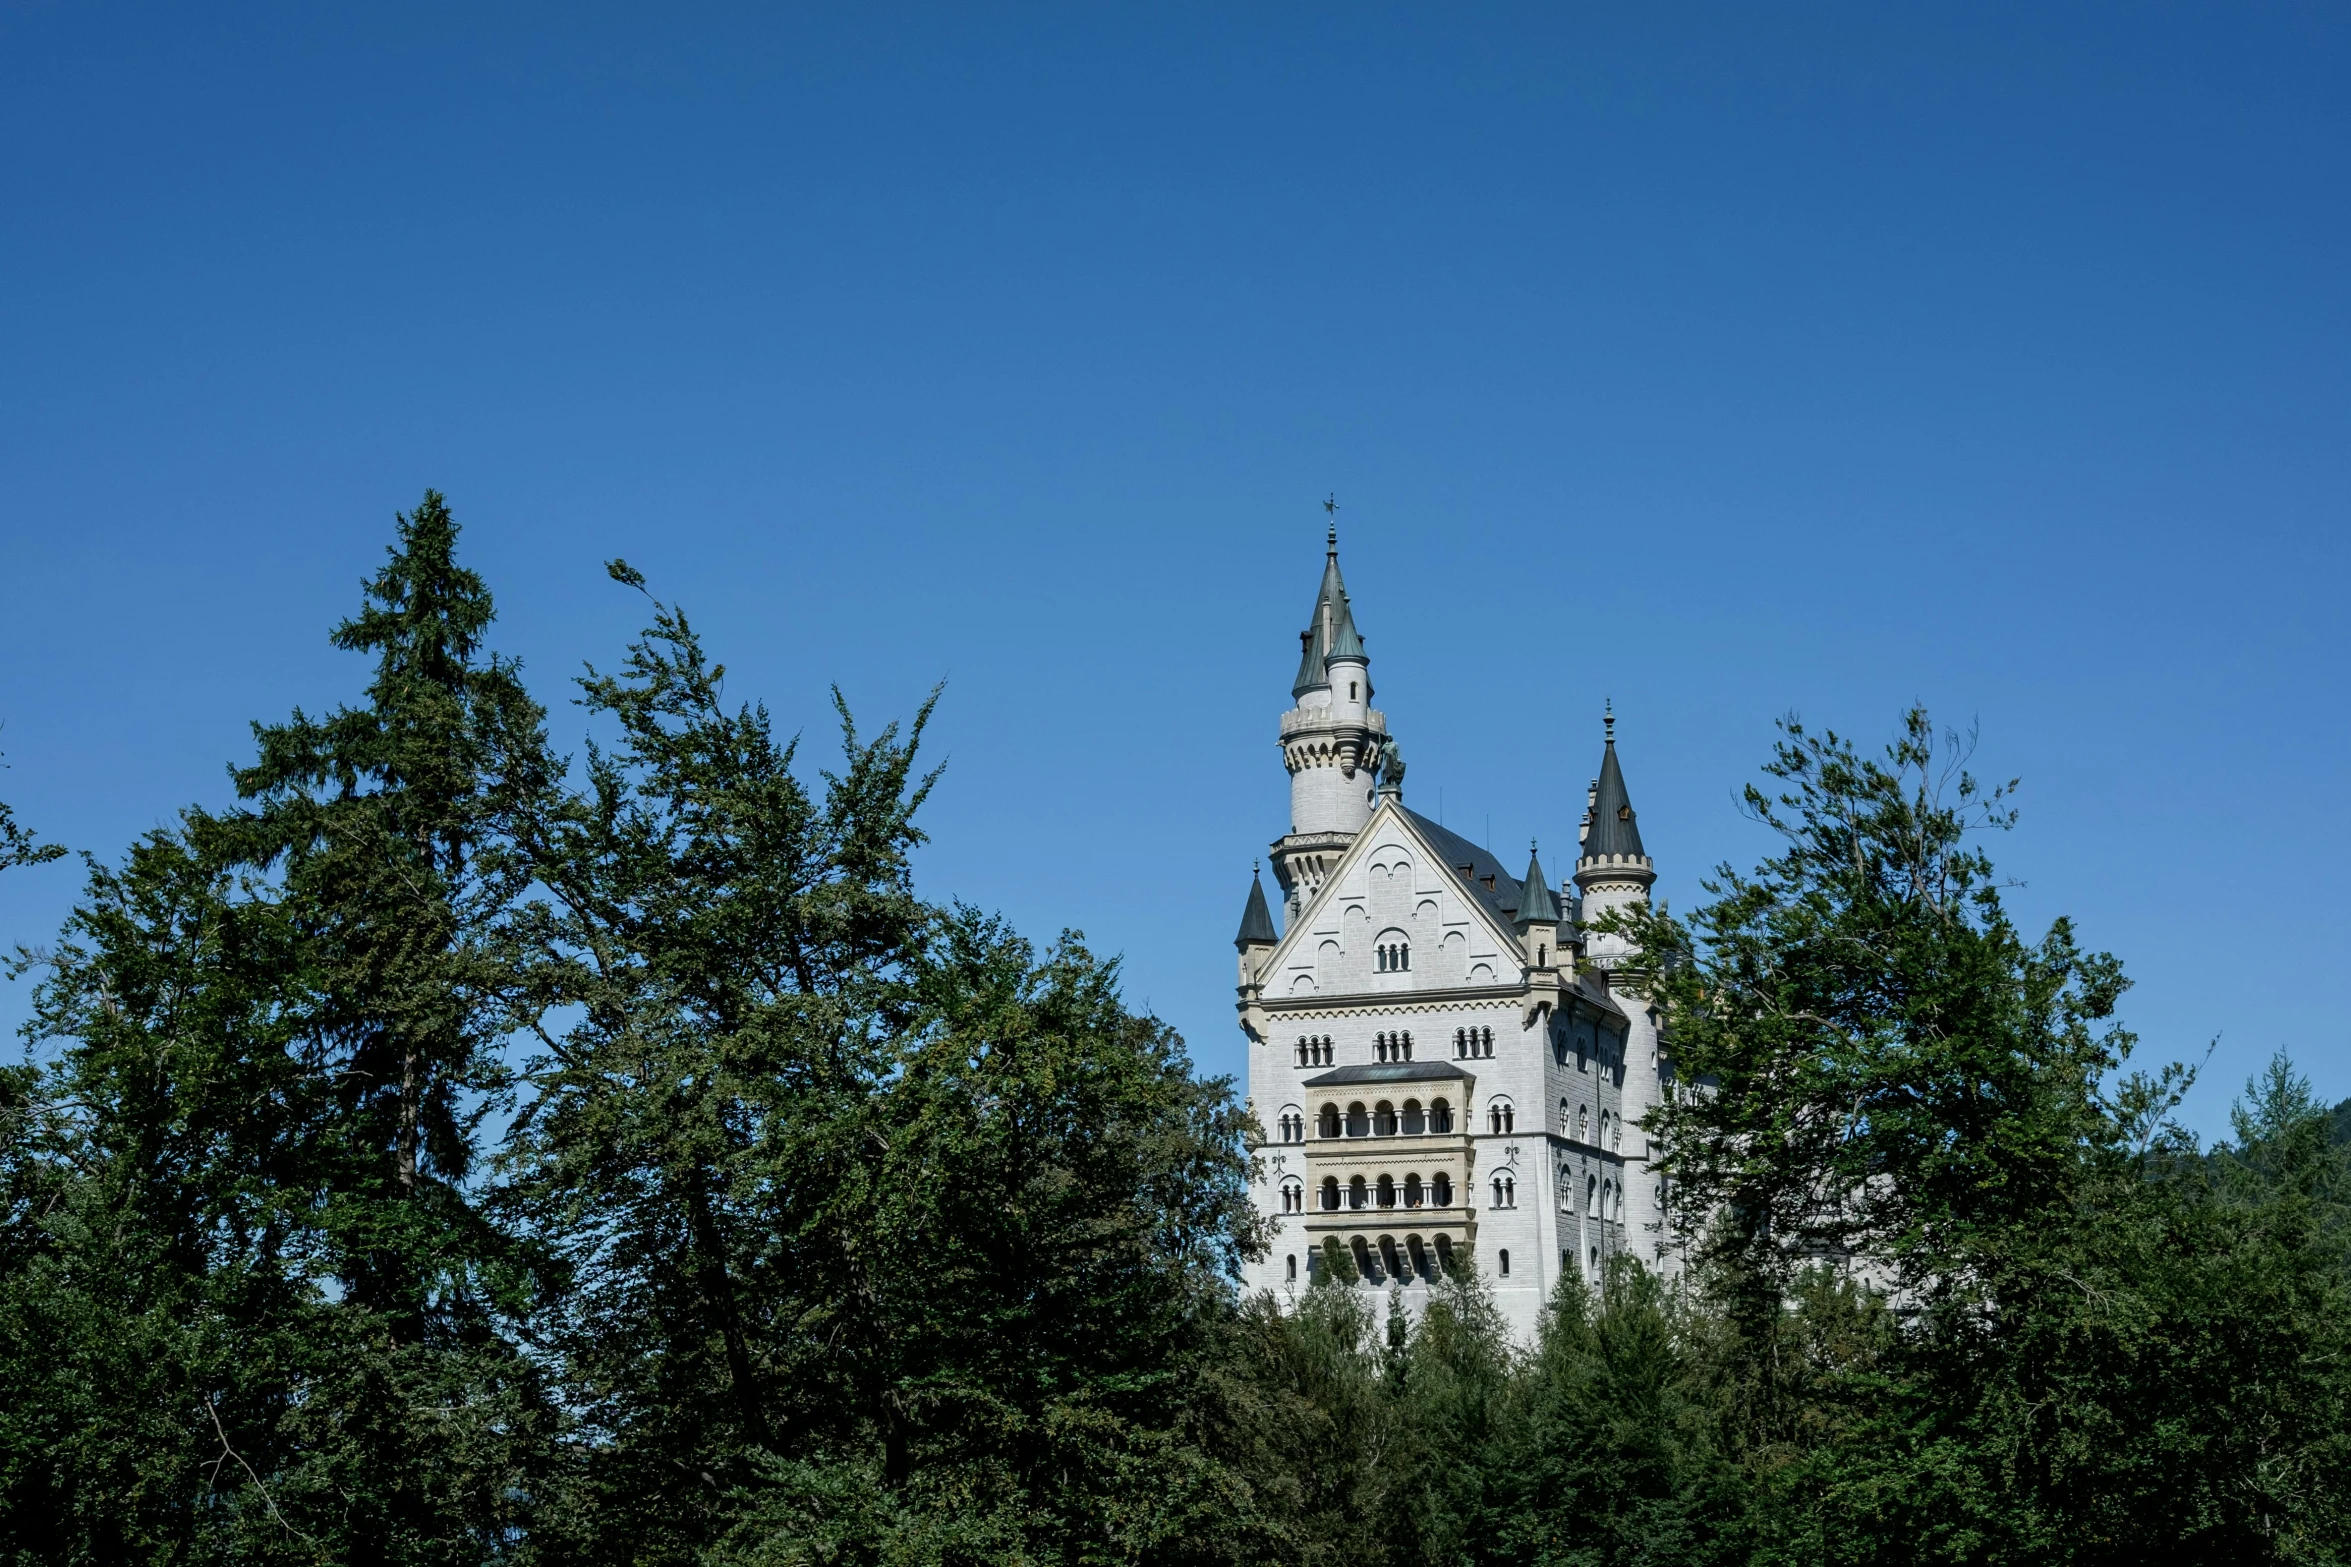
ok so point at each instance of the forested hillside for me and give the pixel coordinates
(459, 1152)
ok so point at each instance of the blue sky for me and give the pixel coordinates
(1723, 364)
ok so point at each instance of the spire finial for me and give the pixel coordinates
(1608, 719)
(1330, 507)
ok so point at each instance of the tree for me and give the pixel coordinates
(261, 1309)
(1977, 1294)
(879, 1225)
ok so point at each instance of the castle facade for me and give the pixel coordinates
(1443, 1059)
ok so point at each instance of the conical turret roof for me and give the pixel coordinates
(1256, 919)
(1330, 632)
(1535, 899)
(1615, 830)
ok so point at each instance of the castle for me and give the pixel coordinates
(1442, 1057)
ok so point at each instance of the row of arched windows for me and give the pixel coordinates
(1384, 1192)
(1611, 1128)
(1383, 1265)
(1472, 1043)
(1378, 1263)
(1394, 1046)
(1314, 1050)
(1293, 1124)
(1392, 957)
(1501, 1117)
(1505, 1192)
(1602, 1199)
(1384, 1119)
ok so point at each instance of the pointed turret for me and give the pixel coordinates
(1612, 868)
(1330, 631)
(1616, 831)
(1535, 900)
(1256, 918)
(1333, 740)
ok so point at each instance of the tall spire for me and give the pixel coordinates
(1330, 631)
(1614, 837)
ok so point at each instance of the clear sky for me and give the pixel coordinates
(1725, 364)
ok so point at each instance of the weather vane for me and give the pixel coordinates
(1330, 509)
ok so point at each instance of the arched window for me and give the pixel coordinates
(1440, 1117)
(1329, 1121)
(1603, 1128)
(1607, 1197)
(1358, 1124)
(1387, 1191)
(1591, 1197)
(1415, 1120)
(1441, 1190)
(1583, 1121)
(1363, 1262)
(1330, 1194)
(1489, 1038)
(1445, 1252)
(1390, 1263)
(1616, 1209)
(1293, 1267)
(1383, 1119)
(1412, 1191)
(1505, 1192)
(1502, 1263)
(1500, 1118)
(1461, 1044)
(1356, 1192)
(1616, 1135)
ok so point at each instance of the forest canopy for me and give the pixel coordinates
(458, 1152)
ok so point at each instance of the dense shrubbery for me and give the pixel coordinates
(455, 1156)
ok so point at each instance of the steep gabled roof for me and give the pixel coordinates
(1481, 876)
(1448, 849)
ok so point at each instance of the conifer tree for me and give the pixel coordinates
(267, 1310)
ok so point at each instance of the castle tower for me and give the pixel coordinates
(1333, 741)
(1615, 873)
(1612, 870)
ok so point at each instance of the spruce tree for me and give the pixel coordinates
(268, 1308)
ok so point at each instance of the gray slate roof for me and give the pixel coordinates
(1536, 901)
(1615, 830)
(1389, 1072)
(1502, 898)
(1318, 645)
(1256, 919)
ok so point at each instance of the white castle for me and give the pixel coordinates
(1441, 1056)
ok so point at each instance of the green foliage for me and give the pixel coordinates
(826, 1227)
